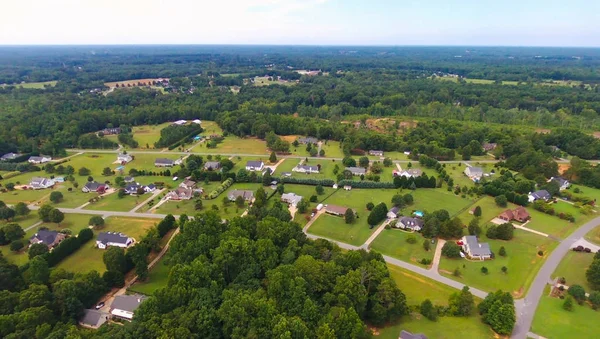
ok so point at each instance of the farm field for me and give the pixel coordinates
(521, 260)
(35, 85)
(235, 145)
(573, 267)
(393, 242)
(553, 322)
(148, 134)
(89, 258)
(158, 277)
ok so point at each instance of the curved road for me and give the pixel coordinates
(526, 307)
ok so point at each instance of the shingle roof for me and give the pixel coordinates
(357, 170)
(253, 163)
(411, 222)
(93, 318)
(117, 238)
(477, 248)
(541, 194)
(336, 209)
(407, 335)
(164, 161)
(127, 303)
(93, 185)
(212, 165)
(475, 170)
(45, 236)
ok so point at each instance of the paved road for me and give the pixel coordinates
(526, 308)
(109, 213)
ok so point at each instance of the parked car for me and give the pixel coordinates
(100, 305)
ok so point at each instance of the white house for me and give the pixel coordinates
(38, 183)
(106, 239)
(291, 198)
(539, 195)
(356, 170)
(474, 173)
(39, 160)
(255, 166)
(124, 158)
(409, 173)
(180, 122)
(197, 121)
(124, 306)
(394, 212)
(306, 169)
(474, 249)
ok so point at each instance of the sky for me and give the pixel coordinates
(302, 22)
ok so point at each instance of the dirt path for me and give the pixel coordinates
(437, 256)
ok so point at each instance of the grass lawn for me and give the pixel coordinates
(146, 162)
(573, 267)
(74, 222)
(148, 134)
(89, 258)
(430, 199)
(27, 196)
(25, 221)
(552, 321)
(522, 262)
(72, 199)
(36, 85)
(457, 172)
(392, 242)
(594, 236)
(112, 202)
(325, 173)
(585, 191)
(95, 162)
(552, 225)
(335, 228)
(158, 277)
(444, 328)
(235, 145)
(332, 148)
(210, 127)
(412, 285)
(489, 210)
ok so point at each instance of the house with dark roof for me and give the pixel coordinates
(124, 306)
(408, 223)
(163, 162)
(519, 214)
(376, 153)
(247, 195)
(93, 318)
(394, 212)
(255, 165)
(107, 239)
(408, 335)
(307, 140)
(38, 183)
(306, 169)
(10, 156)
(563, 183)
(489, 146)
(47, 237)
(212, 165)
(188, 184)
(92, 186)
(474, 249)
(111, 131)
(132, 188)
(474, 173)
(539, 195)
(129, 179)
(39, 160)
(356, 170)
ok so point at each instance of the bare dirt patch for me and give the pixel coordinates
(542, 130)
(562, 168)
(596, 135)
(289, 138)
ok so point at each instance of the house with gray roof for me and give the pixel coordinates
(124, 158)
(306, 169)
(291, 198)
(107, 239)
(93, 318)
(563, 183)
(124, 306)
(93, 186)
(408, 223)
(255, 165)
(356, 170)
(47, 237)
(539, 195)
(39, 183)
(180, 193)
(307, 140)
(474, 173)
(475, 249)
(129, 179)
(163, 162)
(394, 212)
(246, 194)
(408, 335)
(10, 156)
(376, 153)
(212, 165)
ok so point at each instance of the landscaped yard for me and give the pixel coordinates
(552, 321)
(147, 135)
(158, 277)
(573, 267)
(521, 260)
(89, 258)
(393, 242)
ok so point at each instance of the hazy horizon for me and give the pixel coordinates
(511, 23)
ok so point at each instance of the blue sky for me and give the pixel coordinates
(312, 22)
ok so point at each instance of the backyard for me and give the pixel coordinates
(158, 277)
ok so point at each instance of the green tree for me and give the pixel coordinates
(461, 303)
(594, 299)
(451, 250)
(37, 249)
(106, 171)
(13, 232)
(17, 245)
(387, 162)
(21, 209)
(239, 201)
(501, 201)
(349, 216)
(303, 205)
(378, 214)
(363, 162)
(426, 245)
(6, 213)
(577, 292)
(477, 211)
(484, 270)
(44, 212)
(56, 197)
(428, 311)
(96, 221)
(56, 216)
(114, 259)
(370, 206)
(319, 189)
(474, 228)
(83, 171)
(38, 271)
(568, 303)
(121, 193)
(273, 158)
(502, 251)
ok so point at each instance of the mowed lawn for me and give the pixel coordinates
(573, 267)
(95, 162)
(34, 85)
(551, 224)
(521, 260)
(393, 242)
(235, 145)
(444, 328)
(489, 210)
(431, 199)
(147, 135)
(89, 258)
(158, 277)
(553, 322)
(112, 202)
(326, 171)
(142, 161)
(594, 236)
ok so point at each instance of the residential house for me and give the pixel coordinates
(335, 210)
(197, 121)
(408, 223)
(124, 158)
(111, 131)
(38, 183)
(563, 183)
(394, 212)
(539, 195)
(489, 146)
(180, 193)
(10, 156)
(409, 173)
(474, 173)
(255, 165)
(132, 188)
(286, 174)
(124, 306)
(39, 160)
(347, 188)
(376, 153)
(47, 237)
(408, 335)
(307, 140)
(306, 169)
(356, 170)
(162, 162)
(93, 318)
(188, 184)
(212, 165)
(291, 198)
(107, 239)
(150, 188)
(246, 194)
(129, 179)
(180, 122)
(93, 186)
(519, 214)
(474, 249)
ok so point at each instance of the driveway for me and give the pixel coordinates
(435, 264)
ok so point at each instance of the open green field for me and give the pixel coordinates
(392, 242)
(478, 81)
(332, 148)
(418, 288)
(457, 172)
(305, 191)
(210, 127)
(594, 236)
(430, 199)
(585, 191)
(325, 173)
(553, 322)
(573, 267)
(89, 258)
(147, 135)
(264, 81)
(27, 196)
(552, 225)
(235, 145)
(489, 210)
(335, 228)
(95, 162)
(35, 85)
(72, 199)
(24, 221)
(521, 260)
(112, 202)
(158, 277)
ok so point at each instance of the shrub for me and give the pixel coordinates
(577, 292)
(451, 250)
(502, 251)
(425, 261)
(411, 239)
(568, 304)
(370, 206)
(484, 270)
(541, 253)
(16, 245)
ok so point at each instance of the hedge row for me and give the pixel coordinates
(224, 186)
(186, 138)
(68, 247)
(366, 184)
(303, 181)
